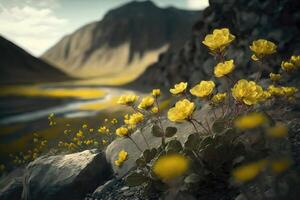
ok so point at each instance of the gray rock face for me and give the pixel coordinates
(183, 131)
(274, 20)
(11, 185)
(65, 176)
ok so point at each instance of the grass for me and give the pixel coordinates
(36, 91)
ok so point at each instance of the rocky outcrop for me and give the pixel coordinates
(183, 131)
(69, 176)
(127, 40)
(11, 185)
(275, 20)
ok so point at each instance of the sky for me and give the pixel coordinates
(36, 25)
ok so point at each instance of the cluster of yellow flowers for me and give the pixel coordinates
(103, 130)
(127, 99)
(40, 145)
(122, 131)
(282, 91)
(248, 172)
(122, 156)
(291, 64)
(51, 120)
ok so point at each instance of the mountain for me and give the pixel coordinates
(127, 39)
(18, 66)
(275, 20)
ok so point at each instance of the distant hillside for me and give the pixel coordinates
(129, 38)
(17, 66)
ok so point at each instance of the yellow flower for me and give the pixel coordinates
(265, 95)
(249, 171)
(127, 99)
(250, 121)
(155, 110)
(276, 91)
(122, 156)
(134, 119)
(156, 92)
(224, 68)
(289, 91)
(170, 166)
(277, 131)
(262, 48)
(84, 126)
(280, 165)
(247, 91)
(295, 59)
(179, 88)
(182, 111)
(104, 142)
(114, 121)
(287, 66)
(79, 134)
(122, 131)
(218, 40)
(91, 130)
(218, 98)
(275, 77)
(103, 129)
(203, 89)
(146, 102)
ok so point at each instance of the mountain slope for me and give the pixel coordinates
(18, 66)
(128, 39)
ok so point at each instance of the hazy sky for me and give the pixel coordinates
(36, 25)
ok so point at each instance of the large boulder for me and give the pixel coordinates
(184, 130)
(69, 176)
(11, 185)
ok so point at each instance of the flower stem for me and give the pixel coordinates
(195, 127)
(204, 128)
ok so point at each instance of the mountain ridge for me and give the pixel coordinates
(130, 37)
(18, 66)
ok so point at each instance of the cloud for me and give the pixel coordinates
(197, 4)
(34, 29)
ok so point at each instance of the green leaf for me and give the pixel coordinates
(149, 154)
(192, 178)
(174, 146)
(156, 131)
(219, 126)
(140, 162)
(206, 141)
(192, 142)
(136, 179)
(171, 131)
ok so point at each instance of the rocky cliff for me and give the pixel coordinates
(275, 20)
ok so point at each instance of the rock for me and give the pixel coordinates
(248, 20)
(183, 131)
(104, 188)
(11, 185)
(69, 176)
